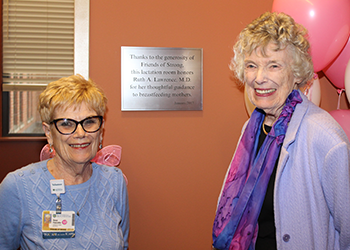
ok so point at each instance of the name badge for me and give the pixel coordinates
(56, 225)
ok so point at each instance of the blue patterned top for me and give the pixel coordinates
(104, 218)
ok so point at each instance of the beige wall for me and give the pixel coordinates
(175, 160)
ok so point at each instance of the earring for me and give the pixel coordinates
(50, 150)
(100, 146)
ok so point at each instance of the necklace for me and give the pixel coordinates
(86, 197)
(263, 127)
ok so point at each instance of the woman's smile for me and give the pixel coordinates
(79, 145)
(264, 92)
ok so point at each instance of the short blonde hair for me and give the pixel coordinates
(285, 33)
(71, 91)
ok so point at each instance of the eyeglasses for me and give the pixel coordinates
(68, 126)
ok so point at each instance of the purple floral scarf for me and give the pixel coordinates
(235, 225)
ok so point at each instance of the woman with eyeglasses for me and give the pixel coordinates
(67, 202)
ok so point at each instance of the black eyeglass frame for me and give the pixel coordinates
(77, 123)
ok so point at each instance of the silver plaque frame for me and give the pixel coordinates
(154, 79)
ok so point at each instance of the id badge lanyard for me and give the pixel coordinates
(57, 187)
(58, 224)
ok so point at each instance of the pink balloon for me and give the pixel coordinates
(327, 21)
(342, 116)
(336, 71)
(109, 155)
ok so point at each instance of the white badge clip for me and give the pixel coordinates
(57, 187)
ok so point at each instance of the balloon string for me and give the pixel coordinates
(340, 91)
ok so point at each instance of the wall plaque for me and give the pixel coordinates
(161, 78)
